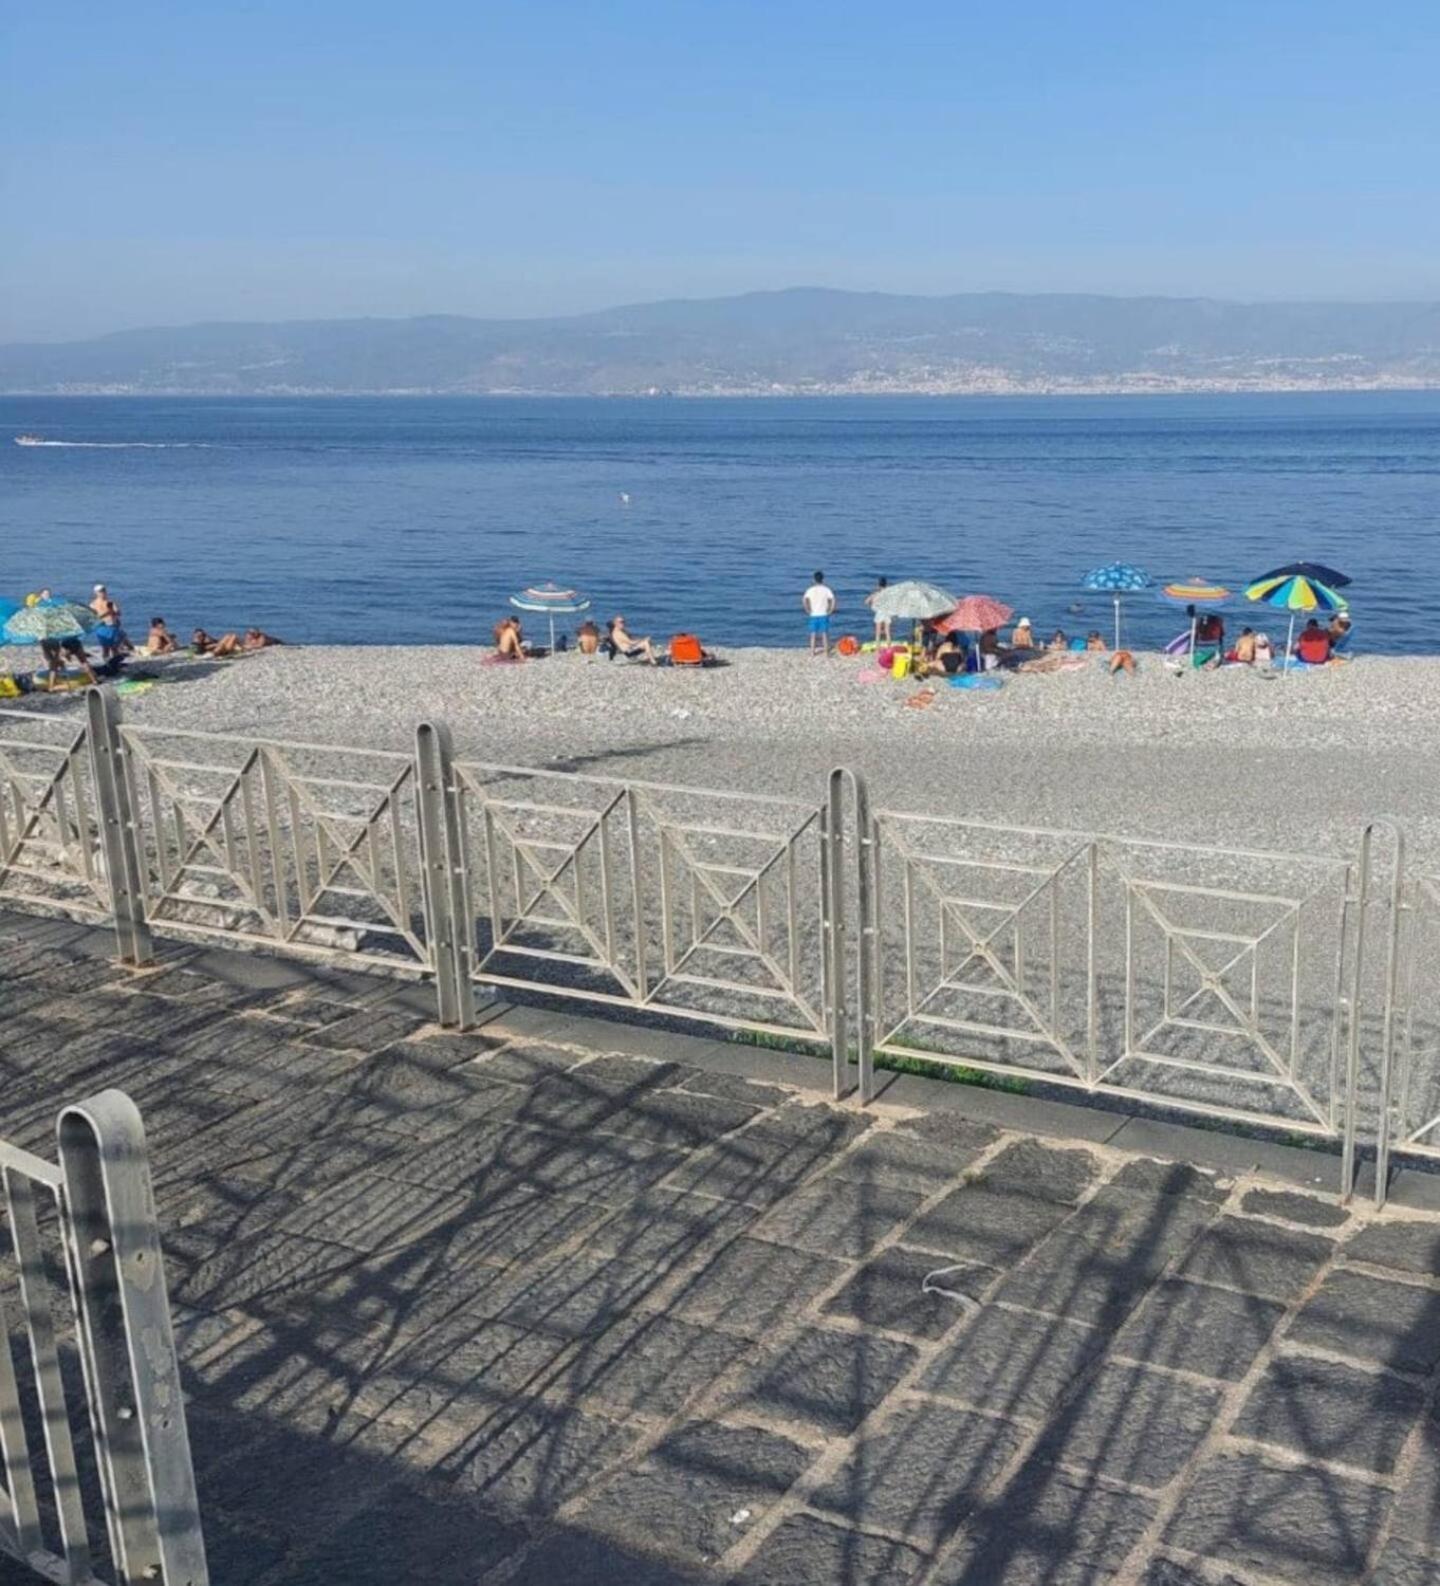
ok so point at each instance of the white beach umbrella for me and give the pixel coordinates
(912, 600)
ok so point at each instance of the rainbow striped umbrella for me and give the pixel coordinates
(1294, 592)
(1194, 592)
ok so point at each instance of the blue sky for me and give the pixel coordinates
(171, 162)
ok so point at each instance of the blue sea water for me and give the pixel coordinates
(410, 520)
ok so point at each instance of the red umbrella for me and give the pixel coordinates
(975, 614)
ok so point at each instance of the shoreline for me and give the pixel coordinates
(1296, 762)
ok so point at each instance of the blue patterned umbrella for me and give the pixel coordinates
(1117, 579)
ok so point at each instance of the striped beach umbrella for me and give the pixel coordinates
(553, 600)
(975, 614)
(1293, 592)
(1194, 592)
(1117, 579)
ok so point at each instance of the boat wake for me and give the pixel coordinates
(112, 446)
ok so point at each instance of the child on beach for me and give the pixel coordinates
(882, 624)
(819, 604)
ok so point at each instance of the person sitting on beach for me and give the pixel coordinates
(160, 641)
(622, 643)
(587, 638)
(203, 643)
(258, 639)
(1023, 636)
(989, 650)
(1058, 641)
(948, 658)
(1094, 640)
(56, 652)
(1313, 645)
(1339, 629)
(1264, 650)
(509, 641)
(882, 624)
(1210, 633)
(819, 604)
(1244, 652)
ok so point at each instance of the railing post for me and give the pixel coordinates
(1395, 904)
(448, 919)
(836, 944)
(119, 833)
(127, 1349)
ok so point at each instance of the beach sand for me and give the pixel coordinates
(1232, 757)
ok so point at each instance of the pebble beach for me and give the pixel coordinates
(1234, 757)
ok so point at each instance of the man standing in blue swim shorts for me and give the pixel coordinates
(819, 602)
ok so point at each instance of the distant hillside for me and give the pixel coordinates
(793, 342)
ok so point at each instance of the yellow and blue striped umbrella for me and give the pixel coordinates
(1295, 592)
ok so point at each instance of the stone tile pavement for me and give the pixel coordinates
(499, 1309)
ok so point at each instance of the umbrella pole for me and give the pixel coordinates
(1194, 624)
(1117, 622)
(1289, 642)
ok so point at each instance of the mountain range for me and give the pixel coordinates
(795, 342)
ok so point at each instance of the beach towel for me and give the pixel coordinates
(985, 682)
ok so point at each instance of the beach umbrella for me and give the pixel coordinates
(1117, 579)
(1294, 592)
(975, 614)
(50, 619)
(1194, 592)
(1316, 572)
(912, 600)
(552, 600)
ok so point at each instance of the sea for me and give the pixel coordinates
(411, 520)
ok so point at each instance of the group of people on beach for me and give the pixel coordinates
(510, 645)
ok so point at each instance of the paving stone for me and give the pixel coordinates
(1332, 1412)
(695, 1495)
(367, 1212)
(753, 1286)
(1303, 1525)
(994, 1227)
(1095, 1267)
(1192, 1327)
(761, 1164)
(527, 1062)
(1403, 1564)
(1403, 1246)
(833, 1217)
(577, 1294)
(1275, 1263)
(366, 1031)
(1146, 1176)
(804, 1551)
(1049, 1529)
(410, 1532)
(532, 1458)
(905, 1160)
(676, 1118)
(922, 1472)
(1133, 1425)
(1166, 1572)
(1013, 1362)
(1393, 1324)
(665, 1226)
(888, 1292)
(823, 1379)
(1292, 1207)
(1042, 1171)
(1417, 1509)
(260, 1273)
(576, 1557)
(237, 1552)
(952, 1131)
(733, 1088)
(650, 1364)
(600, 1168)
(262, 1479)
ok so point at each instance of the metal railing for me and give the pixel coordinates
(1238, 984)
(85, 1288)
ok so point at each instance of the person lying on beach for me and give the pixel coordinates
(587, 638)
(622, 643)
(1058, 641)
(1122, 661)
(56, 651)
(161, 641)
(509, 640)
(203, 643)
(258, 639)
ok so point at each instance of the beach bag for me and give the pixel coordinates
(900, 665)
(686, 650)
(849, 645)
(9, 688)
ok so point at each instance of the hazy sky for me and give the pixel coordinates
(161, 163)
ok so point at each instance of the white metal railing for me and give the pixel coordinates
(1249, 985)
(91, 1216)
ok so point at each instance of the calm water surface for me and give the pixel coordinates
(379, 520)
